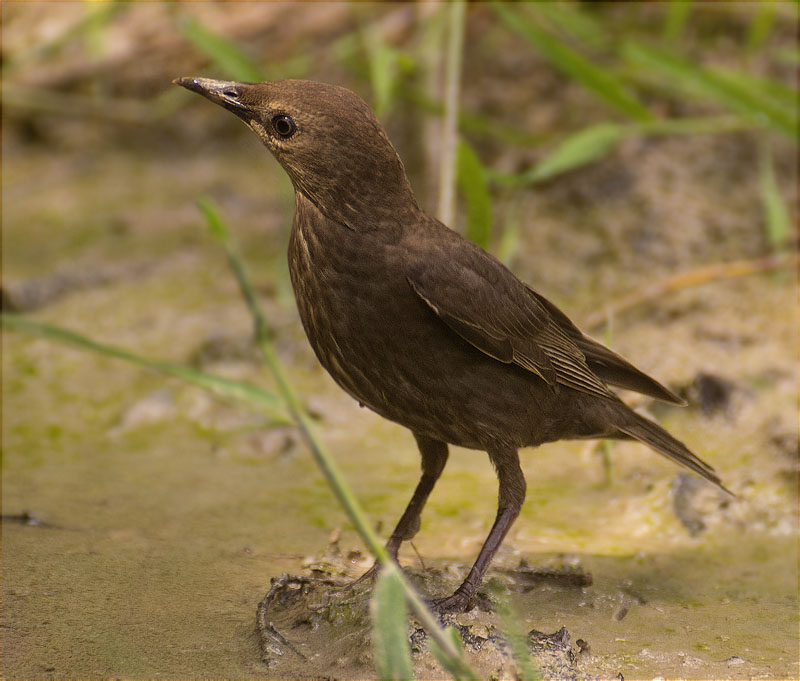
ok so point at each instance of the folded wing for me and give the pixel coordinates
(485, 304)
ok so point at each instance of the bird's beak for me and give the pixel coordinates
(226, 93)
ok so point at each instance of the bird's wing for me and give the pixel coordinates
(484, 303)
(606, 364)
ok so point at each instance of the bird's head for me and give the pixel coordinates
(326, 138)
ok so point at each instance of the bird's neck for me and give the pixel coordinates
(362, 188)
(354, 218)
(363, 209)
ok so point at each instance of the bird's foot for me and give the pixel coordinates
(369, 575)
(460, 601)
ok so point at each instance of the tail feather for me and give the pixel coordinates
(610, 368)
(659, 439)
(606, 364)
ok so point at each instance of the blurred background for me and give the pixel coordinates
(636, 163)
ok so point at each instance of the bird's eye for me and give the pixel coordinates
(284, 126)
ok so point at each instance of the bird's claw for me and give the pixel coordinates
(458, 602)
(367, 576)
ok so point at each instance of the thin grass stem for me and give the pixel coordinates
(452, 87)
(326, 462)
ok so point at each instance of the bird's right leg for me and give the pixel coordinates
(434, 457)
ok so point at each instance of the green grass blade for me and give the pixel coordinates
(220, 232)
(96, 27)
(726, 88)
(595, 142)
(759, 97)
(263, 334)
(602, 82)
(390, 629)
(788, 55)
(238, 390)
(485, 126)
(574, 22)
(579, 149)
(51, 44)
(763, 88)
(705, 125)
(677, 14)
(760, 26)
(457, 672)
(223, 53)
(517, 641)
(327, 464)
(776, 215)
(383, 72)
(509, 237)
(474, 189)
(448, 157)
(215, 224)
(382, 61)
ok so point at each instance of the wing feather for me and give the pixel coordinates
(494, 312)
(485, 304)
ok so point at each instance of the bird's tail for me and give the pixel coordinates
(652, 434)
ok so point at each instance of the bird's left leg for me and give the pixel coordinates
(509, 502)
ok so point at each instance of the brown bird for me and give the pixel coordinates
(421, 325)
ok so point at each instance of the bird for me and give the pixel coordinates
(423, 326)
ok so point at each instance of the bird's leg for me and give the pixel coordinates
(509, 502)
(434, 457)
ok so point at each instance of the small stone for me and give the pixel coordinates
(735, 660)
(158, 406)
(622, 609)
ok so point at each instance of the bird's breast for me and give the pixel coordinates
(352, 303)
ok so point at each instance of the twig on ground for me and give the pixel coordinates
(688, 279)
